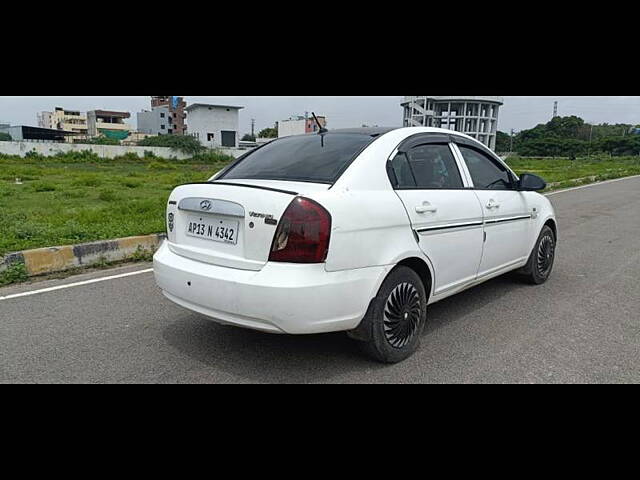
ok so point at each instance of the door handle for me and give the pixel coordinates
(426, 207)
(492, 204)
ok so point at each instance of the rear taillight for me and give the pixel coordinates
(303, 233)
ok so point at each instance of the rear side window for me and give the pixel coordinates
(429, 166)
(306, 158)
(486, 173)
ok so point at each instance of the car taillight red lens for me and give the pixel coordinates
(303, 233)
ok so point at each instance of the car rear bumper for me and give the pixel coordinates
(280, 298)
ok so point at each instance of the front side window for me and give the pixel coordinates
(427, 166)
(305, 158)
(486, 173)
(433, 166)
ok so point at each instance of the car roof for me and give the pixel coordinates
(379, 131)
(369, 131)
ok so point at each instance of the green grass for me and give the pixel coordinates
(562, 172)
(15, 273)
(65, 200)
(74, 198)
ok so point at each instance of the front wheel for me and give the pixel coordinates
(396, 317)
(538, 268)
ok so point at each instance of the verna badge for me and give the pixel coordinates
(205, 205)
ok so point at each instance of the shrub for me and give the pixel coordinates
(161, 166)
(128, 157)
(213, 157)
(73, 157)
(87, 181)
(101, 140)
(5, 137)
(16, 272)
(183, 143)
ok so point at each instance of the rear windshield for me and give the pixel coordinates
(307, 158)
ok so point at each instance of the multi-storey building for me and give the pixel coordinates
(111, 124)
(472, 115)
(71, 121)
(166, 117)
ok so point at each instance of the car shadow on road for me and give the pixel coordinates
(460, 305)
(261, 357)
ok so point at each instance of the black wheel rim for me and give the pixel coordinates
(402, 315)
(544, 259)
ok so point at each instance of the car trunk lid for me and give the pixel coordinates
(229, 224)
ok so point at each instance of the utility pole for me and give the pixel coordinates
(555, 109)
(253, 127)
(590, 137)
(511, 147)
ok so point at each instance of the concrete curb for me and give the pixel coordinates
(58, 259)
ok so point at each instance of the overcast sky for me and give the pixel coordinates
(517, 113)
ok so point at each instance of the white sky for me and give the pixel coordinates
(517, 113)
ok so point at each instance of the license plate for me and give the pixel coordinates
(212, 228)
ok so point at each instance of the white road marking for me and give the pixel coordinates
(591, 185)
(76, 284)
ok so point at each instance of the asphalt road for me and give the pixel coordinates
(583, 325)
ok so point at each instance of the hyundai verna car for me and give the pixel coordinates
(352, 230)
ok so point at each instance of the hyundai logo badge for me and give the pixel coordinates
(205, 205)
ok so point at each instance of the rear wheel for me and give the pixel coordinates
(538, 268)
(396, 317)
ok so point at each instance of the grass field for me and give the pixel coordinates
(67, 200)
(562, 172)
(77, 198)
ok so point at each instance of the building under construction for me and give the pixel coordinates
(474, 116)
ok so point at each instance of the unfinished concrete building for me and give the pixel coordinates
(474, 116)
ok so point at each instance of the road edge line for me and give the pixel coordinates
(75, 284)
(591, 185)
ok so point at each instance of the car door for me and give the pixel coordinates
(444, 212)
(507, 221)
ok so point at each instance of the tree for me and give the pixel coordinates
(503, 142)
(248, 138)
(567, 127)
(269, 132)
(571, 136)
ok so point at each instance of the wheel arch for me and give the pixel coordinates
(551, 223)
(423, 269)
(419, 265)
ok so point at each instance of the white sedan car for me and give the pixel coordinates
(352, 230)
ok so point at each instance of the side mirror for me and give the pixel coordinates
(531, 183)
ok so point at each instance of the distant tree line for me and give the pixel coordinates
(570, 137)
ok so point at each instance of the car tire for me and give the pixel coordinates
(540, 263)
(393, 324)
